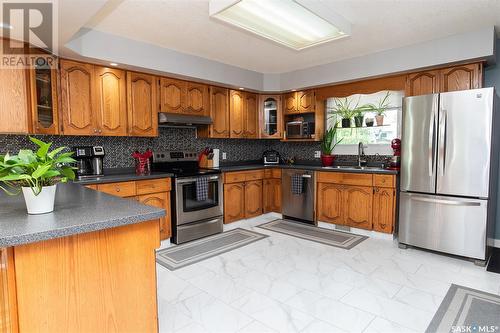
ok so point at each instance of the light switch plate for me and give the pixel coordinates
(317, 154)
(224, 156)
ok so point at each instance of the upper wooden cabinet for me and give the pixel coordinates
(77, 98)
(142, 104)
(236, 114)
(270, 117)
(14, 101)
(111, 101)
(454, 78)
(184, 97)
(219, 112)
(44, 111)
(299, 102)
(461, 77)
(250, 115)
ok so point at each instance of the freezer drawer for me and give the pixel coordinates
(446, 224)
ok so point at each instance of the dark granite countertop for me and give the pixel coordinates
(77, 210)
(121, 175)
(254, 166)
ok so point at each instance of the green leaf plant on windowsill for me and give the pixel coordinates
(328, 145)
(380, 108)
(36, 175)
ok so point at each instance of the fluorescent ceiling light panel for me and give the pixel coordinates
(293, 23)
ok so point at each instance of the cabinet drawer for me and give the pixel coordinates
(153, 186)
(254, 175)
(122, 189)
(234, 177)
(384, 180)
(345, 178)
(272, 173)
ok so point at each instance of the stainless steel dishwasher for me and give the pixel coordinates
(298, 206)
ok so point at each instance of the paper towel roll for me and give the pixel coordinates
(215, 160)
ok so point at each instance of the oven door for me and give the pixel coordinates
(188, 209)
(295, 129)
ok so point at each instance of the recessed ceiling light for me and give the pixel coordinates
(294, 89)
(241, 88)
(6, 26)
(113, 64)
(297, 24)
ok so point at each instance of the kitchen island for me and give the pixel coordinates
(87, 267)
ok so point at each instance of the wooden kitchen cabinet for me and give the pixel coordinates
(142, 104)
(299, 102)
(197, 99)
(251, 116)
(234, 209)
(160, 200)
(111, 101)
(253, 198)
(236, 114)
(270, 117)
(271, 195)
(460, 77)
(172, 95)
(219, 112)
(384, 207)
(366, 201)
(77, 98)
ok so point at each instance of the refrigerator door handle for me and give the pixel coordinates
(442, 140)
(447, 202)
(432, 143)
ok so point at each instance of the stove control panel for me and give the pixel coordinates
(174, 156)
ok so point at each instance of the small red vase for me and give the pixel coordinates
(327, 160)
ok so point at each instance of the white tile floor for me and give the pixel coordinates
(286, 284)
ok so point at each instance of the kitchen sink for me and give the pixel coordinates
(353, 167)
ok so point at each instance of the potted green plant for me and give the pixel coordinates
(344, 110)
(327, 146)
(359, 114)
(380, 108)
(36, 174)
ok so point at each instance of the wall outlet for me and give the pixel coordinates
(317, 154)
(224, 156)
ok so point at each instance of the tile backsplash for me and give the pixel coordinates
(119, 149)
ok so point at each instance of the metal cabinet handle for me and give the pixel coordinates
(448, 202)
(306, 176)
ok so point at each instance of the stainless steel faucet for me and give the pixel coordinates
(361, 155)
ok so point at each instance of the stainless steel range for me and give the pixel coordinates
(192, 217)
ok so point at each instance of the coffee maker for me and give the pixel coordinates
(89, 161)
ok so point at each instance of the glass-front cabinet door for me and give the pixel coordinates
(270, 116)
(44, 98)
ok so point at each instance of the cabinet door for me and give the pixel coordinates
(219, 111)
(236, 114)
(330, 203)
(253, 198)
(111, 101)
(45, 117)
(270, 116)
(77, 98)
(234, 209)
(142, 104)
(290, 102)
(383, 209)
(250, 115)
(173, 95)
(358, 206)
(271, 195)
(461, 78)
(160, 200)
(305, 101)
(422, 83)
(197, 99)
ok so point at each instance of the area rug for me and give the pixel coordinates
(183, 255)
(340, 239)
(467, 310)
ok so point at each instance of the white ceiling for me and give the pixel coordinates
(184, 25)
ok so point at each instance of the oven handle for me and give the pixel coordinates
(192, 180)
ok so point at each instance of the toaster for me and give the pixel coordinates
(271, 157)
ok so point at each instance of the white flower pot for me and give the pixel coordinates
(41, 203)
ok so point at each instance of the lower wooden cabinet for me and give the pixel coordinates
(271, 195)
(341, 200)
(253, 198)
(160, 200)
(234, 202)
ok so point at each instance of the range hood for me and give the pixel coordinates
(174, 119)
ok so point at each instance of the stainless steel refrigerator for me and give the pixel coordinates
(449, 172)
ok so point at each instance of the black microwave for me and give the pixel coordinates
(299, 130)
